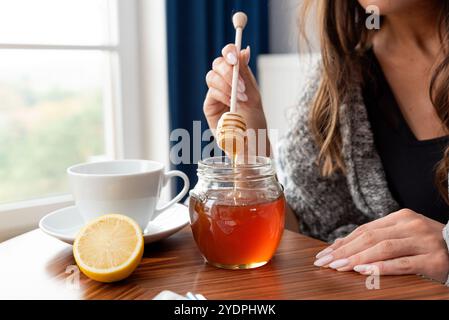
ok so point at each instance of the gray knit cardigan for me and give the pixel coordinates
(329, 208)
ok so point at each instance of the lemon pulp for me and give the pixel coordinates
(109, 248)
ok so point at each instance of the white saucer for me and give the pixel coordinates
(64, 224)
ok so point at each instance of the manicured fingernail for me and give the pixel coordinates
(232, 59)
(323, 261)
(248, 59)
(241, 87)
(242, 97)
(363, 268)
(337, 264)
(324, 252)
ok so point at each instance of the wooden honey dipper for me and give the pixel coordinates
(231, 128)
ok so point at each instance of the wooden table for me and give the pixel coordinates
(34, 266)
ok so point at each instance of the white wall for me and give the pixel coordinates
(154, 83)
(284, 33)
(282, 73)
(282, 80)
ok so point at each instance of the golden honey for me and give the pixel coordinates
(237, 213)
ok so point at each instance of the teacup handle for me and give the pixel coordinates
(168, 176)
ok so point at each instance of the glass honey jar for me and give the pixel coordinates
(237, 212)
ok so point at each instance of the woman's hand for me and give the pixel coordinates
(403, 242)
(219, 81)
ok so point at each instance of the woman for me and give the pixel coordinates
(366, 159)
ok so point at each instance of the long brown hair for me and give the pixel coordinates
(344, 40)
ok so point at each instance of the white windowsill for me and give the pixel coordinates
(35, 203)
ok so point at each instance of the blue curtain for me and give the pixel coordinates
(197, 30)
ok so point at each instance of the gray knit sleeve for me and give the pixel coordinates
(324, 206)
(446, 239)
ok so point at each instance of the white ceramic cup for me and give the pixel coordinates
(128, 187)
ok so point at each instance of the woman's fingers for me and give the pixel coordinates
(221, 67)
(384, 250)
(220, 77)
(404, 242)
(364, 241)
(215, 80)
(398, 266)
(230, 60)
(417, 264)
(230, 54)
(225, 70)
(392, 219)
(214, 95)
(245, 70)
(340, 242)
(376, 224)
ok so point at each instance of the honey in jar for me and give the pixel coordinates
(237, 213)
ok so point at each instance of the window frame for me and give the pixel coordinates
(123, 117)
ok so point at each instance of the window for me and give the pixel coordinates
(66, 66)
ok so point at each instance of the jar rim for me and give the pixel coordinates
(221, 168)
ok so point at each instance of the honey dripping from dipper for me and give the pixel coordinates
(231, 135)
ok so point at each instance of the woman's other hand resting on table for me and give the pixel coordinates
(403, 242)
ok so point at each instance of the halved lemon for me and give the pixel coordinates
(109, 248)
